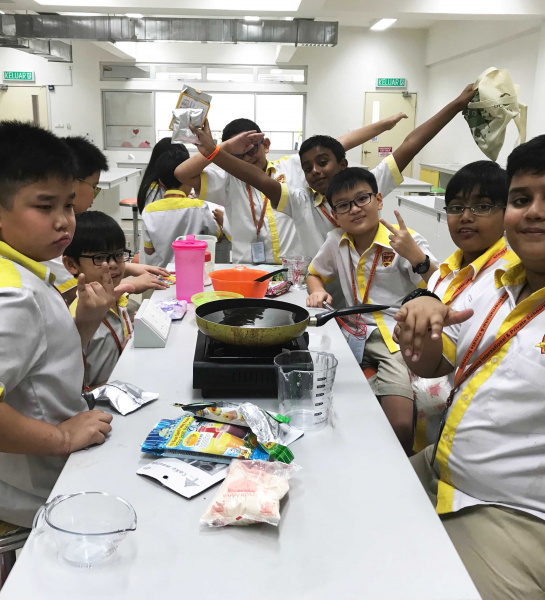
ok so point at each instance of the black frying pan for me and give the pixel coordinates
(260, 322)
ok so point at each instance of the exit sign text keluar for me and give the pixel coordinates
(18, 76)
(392, 82)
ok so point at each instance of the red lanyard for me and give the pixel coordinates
(263, 210)
(114, 334)
(468, 281)
(369, 281)
(462, 375)
(328, 216)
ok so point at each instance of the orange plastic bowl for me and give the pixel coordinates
(240, 280)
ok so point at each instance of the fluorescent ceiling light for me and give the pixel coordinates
(252, 18)
(383, 24)
(81, 14)
(134, 15)
(288, 18)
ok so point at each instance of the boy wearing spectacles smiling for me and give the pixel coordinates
(99, 239)
(475, 201)
(376, 263)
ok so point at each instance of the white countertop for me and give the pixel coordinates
(355, 524)
(449, 168)
(115, 176)
(409, 182)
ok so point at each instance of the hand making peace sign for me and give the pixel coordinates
(403, 242)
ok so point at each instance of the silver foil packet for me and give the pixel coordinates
(182, 119)
(124, 397)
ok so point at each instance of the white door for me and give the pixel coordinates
(379, 105)
(24, 103)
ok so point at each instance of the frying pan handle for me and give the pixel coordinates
(324, 317)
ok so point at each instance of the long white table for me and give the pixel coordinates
(356, 522)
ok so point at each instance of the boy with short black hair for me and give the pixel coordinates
(485, 473)
(375, 263)
(475, 201)
(99, 239)
(43, 417)
(175, 214)
(308, 205)
(257, 228)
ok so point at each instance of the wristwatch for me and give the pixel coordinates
(422, 267)
(419, 292)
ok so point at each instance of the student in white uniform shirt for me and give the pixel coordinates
(486, 478)
(43, 417)
(253, 220)
(475, 201)
(91, 163)
(175, 215)
(99, 239)
(322, 157)
(375, 263)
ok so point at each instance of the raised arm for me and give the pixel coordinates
(189, 172)
(418, 138)
(237, 167)
(355, 138)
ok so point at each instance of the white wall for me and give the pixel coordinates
(451, 67)
(339, 77)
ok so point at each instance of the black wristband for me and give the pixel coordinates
(417, 293)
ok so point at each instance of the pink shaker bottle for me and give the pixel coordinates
(189, 266)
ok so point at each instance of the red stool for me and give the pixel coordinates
(369, 372)
(133, 203)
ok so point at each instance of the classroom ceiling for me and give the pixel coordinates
(362, 13)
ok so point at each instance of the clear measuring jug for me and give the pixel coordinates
(305, 387)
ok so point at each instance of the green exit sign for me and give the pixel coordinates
(392, 82)
(18, 75)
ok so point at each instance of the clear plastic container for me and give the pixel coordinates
(305, 387)
(189, 266)
(87, 526)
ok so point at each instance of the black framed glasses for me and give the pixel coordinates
(250, 152)
(344, 207)
(104, 257)
(96, 189)
(479, 210)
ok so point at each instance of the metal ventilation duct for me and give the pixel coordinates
(125, 29)
(52, 50)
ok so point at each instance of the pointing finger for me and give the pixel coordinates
(387, 225)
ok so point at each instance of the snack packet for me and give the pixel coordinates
(124, 397)
(272, 431)
(173, 308)
(188, 436)
(251, 493)
(277, 288)
(192, 108)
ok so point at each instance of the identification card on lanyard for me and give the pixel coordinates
(257, 247)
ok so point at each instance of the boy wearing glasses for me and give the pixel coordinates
(375, 263)
(485, 472)
(475, 201)
(99, 239)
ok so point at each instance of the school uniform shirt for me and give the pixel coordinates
(104, 348)
(169, 218)
(64, 280)
(450, 282)
(492, 448)
(41, 369)
(311, 212)
(393, 280)
(277, 231)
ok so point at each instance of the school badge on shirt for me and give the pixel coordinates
(281, 178)
(388, 258)
(541, 345)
